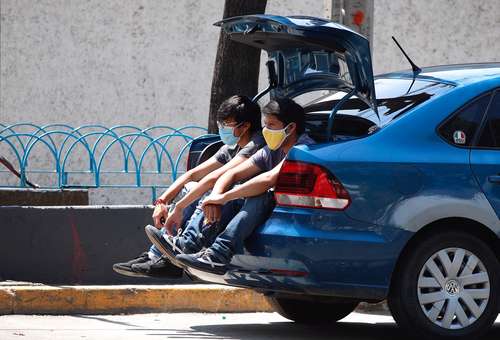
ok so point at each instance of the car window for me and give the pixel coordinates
(295, 65)
(355, 118)
(461, 128)
(490, 135)
(394, 98)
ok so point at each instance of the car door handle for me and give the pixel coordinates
(494, 179)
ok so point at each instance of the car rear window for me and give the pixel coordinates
(296, 64)
(395, 97)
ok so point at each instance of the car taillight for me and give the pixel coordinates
(310, 186)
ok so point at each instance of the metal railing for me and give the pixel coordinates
(153, 150)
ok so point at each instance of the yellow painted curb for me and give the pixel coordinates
(6, 301)
(128, 299)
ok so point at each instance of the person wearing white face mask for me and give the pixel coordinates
(239, 122)
(283, 121)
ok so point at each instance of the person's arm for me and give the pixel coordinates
(243, 171)
(194, 174)
(175, 217)
(253, 187)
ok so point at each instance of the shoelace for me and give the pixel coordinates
(206, 258)
(163, 257)
(174, 241)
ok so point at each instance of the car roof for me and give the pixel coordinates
(458, 74)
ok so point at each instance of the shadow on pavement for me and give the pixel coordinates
(289, 330)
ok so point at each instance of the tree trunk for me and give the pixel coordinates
(236, 68)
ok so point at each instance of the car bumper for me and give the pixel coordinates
(318, 253)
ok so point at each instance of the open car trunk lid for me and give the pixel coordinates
(310, 53)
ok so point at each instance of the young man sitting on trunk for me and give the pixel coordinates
(283, 121)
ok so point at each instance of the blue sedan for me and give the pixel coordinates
(400, 198)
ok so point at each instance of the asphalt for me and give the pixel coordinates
(244, 326)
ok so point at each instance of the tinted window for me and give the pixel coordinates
(395, 97)
(461, 128)
(490, 135)
(296, 64)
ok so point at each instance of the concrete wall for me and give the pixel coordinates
(71, 245)
(150, 62)
(112, 62)
(435, 32)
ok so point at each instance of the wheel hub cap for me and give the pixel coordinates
(453, 288)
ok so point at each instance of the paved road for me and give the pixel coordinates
(255, 326)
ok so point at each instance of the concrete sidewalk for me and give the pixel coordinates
(32, 298)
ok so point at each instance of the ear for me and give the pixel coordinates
(292, 127)
(244, 128)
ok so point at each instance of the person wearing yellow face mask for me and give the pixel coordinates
(283, 122)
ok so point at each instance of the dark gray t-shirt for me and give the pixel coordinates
(266, 159)
(226, 152)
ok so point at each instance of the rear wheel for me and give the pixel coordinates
(447, 287)
(310, 311)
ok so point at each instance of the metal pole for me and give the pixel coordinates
(355, 14)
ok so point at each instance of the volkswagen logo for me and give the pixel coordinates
(452, 287)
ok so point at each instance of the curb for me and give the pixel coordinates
(42, 299)
(129, 299)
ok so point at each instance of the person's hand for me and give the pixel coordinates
(174, 218)
(212, 206)
(212, 213)
(214, 199)
(159, 213)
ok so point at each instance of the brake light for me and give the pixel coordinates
(309, 186)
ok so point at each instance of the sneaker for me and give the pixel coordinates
(125, 268)
(206, 261)
(160, 268)
(168, 248)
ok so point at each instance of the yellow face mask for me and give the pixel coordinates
(274, 138)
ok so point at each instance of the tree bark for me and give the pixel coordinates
(236, 68)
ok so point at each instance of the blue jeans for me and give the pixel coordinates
(186, 218)
(198, 234)
(254, 212)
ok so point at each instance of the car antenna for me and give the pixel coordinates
(415, 68)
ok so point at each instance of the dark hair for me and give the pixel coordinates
(241, 109)
(286, 111)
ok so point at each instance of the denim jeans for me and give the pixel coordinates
(187, 214)
(198, 234)
(154, 252)
(254, 212)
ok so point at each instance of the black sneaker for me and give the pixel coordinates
(160, 268)
(206, 261)
(168, 248)
(125, 268)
